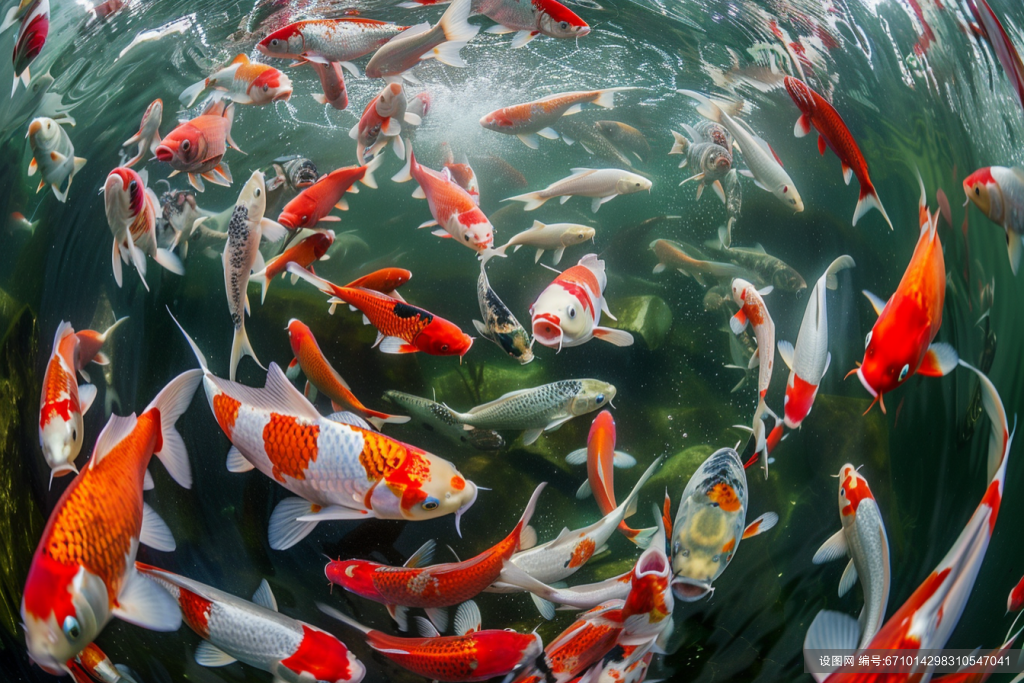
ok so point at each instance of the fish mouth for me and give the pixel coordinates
(547, 328)
(164, 153)
(35, 127)
(282, 95)
(864, 381)
(690, 590)
(652, 562)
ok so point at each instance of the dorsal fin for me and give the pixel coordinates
(264, 597)
(423, 556)
(240, 59)
(278, 394)
(118, 427)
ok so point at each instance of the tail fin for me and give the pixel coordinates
(680, 144)
(405, 175)
(606, 98)
(106, 334)
(372, 166)
(869, 200)
(379, 419)
(841, 263)
(190, 94)
(169, 404)
(706, 108)
(240, 346)
(532, 200)
(487, 254)
(1001, 436)
(169, 261)
(455, 25)
(318, 282)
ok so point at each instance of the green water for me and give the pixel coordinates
(946, 112)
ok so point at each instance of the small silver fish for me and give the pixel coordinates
(435, 417)
(539, 409)
(500, 325)
(709, 161)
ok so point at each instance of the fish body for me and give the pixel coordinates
(35, 27)
(385, 280)
(626, 137)
(754, 311)
(833, 133)
(131, 210)
(315, 202)
(443, 41)
(538, 409)
(62, 403)
(326, 379)
(584, 643)
(148, 138)
(709, 161)
(438, 418)
(455, 212)
(197, 147)
(332, 83)
(340, 470)
(765, 167)
(382, 121)
(809, 360)
(672, 255)
(630, 667)
(529, 119)
(53, 155)
(900, 343)
(305, 253)
(256, 633)
(998, 191)
(647, 610)
(766, 268)
(462, 173)
(530, 18)
(863, 538)
(602, 185)
(243, 82)
(549, 237)
(499, 323)
(992, 29)
(709, 524)
(568, 311)
(83, 572)
(401, 327)
(329, 40)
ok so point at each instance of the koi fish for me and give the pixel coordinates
(630, 667)
(462, 173)
(335, 465)
(927, 619)
(241, 256)
(148, 138)
(35, 27)
(197, 147)
(438, 418)
(319, 372)
(764, 165)
(548, 237)
(625, 137)
(998, 192)
(382, 119)
(539, 409)
(765, 268)
(568, 311)
(499, 323)
(456, 214)
(305, 253)
(603, 185)
(53, 155)
(243, 82)
(385, 280)
(313, 205)
(256, 633)
(992, 30)
(709, 524)
(83, 571)
(709, 161)
(754, 311)
(63, 403)
(332, 83)
(578, 597)
(900, 343)
(435, 587)
(584, 643)
(442, 42)
(92, 665)
(671, 254)
(131, 210)
(530, 119)
(833, 133)
(401, 327)
(526, 19)
(473, 654)
(809, 361)
(323, 41)
(863, 538)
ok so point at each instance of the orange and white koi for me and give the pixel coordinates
(322, 375)
(900, 343)
(131, 210)
(998, 191)
(83, 571)
(63, 403)
(453, 208)
(197, 147)
(754, 312)
(462, 173)
(243, 82)
(323, 41)
(92, 665)
(577, 648)
(530, 119)
(382, 119)
(148, 138)
(305, 253)
(568, 311)
(339, 466)
(53, 155)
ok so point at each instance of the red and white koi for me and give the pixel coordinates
(863, 538)
(577, 648)
(530, 119)
(809, 361)
(83, 570)
(754, 312)
(992, 29)
(442, 42)
(35, 27)
(568, 311)
(382, 119)
(197, 147)
(324, 41)
(526, 19)
(455, 213)
(256, 633)
(341, 468)
(53, 155)
(92, 665)
(998, 192)
(131, 210)
(148, 138)
(243, 82)
(462, 173)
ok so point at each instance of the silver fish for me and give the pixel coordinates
(709, 524)
(709, 161)
(53, 155)
(500, 325)
(626, 138)
(602, 185)
(539, 409)
(180, 211)
(435, 417)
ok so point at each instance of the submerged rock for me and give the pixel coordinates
(648, 316)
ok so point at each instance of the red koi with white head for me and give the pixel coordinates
(382, 119)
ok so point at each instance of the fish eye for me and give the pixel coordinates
(444, 347)
(71, 628)
(842, 491)
(716, 558)
(563, 25)
(467, 236)
(572, 312)
(867, 340)
(600, 398)
(74, 434)
(185, 145)
(904, 372)
(636, 184)
(274, 42)
(305, 218)
(785, 189)
(258, 192)
(977, 191)
(431, 503)
(266, 87)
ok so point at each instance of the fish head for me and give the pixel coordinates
(740, 290)
(892, 353)
(593, 395)
(124, 196)
(444, 339)
(562, 315)
(298, 334)
(297, 213)
(355, 576)
(63, 609)
(184, 147)
(984, 190)
(254, 196)
(154, 113)
(60, 436)
(391, 101)
(301, 172)
(284, 42)
(517, 345)
(790, 196)
(853, 488)
(577, 234)
(498, 120)
(270, 86)
(631, 182)
(43, 133)
(650, 592)
(717, 160)
(705, 536)
(476, 233)
(319, 658)
(602, 428)
(31, 39)
(558, 21)
(178, 208)
(423, 486)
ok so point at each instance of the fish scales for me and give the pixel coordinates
(530, 408)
